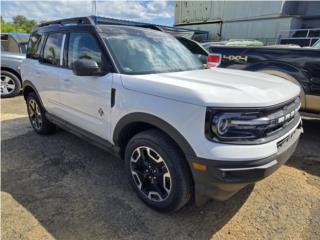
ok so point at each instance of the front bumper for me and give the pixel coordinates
(225, 178)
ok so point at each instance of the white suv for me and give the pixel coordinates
(182, 130)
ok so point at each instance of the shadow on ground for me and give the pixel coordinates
(307, 156)
(77, 191)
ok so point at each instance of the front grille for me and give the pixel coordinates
(282, 116)
(253, 125)
(283, 142)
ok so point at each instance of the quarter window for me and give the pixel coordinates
(83, 46)
(52, 49)
(34, 45)
(4, 42)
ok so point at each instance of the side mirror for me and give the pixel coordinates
(86, 67)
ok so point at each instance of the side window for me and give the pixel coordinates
(34, 45)
(52, 49)
(83, 46)
(4, 42)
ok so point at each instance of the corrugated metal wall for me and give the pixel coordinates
(262, 20)
(199, 11)
(265, 30)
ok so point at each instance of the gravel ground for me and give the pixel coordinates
(61, 187)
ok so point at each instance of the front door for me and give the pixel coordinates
(86, 99)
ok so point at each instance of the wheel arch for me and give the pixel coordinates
(28, 87)
(16, 73)
(133, 123)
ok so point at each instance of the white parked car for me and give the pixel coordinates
(183, 130)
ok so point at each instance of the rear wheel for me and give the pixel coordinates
(10, 84)
(37, 117)
(157, 171)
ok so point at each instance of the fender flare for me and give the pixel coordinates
(28, 83)
(157, 122)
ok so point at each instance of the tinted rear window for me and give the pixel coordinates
(34, 45)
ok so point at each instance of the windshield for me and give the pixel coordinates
(142, 51)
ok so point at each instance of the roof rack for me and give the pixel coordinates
(97, 20)
(66, 21)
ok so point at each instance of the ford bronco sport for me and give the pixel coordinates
(182, 130)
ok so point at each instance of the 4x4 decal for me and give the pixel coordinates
(238, 58)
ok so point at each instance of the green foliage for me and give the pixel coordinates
(20, 24)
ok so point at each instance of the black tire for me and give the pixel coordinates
(180, 183)
(10, 84)
(37, 117)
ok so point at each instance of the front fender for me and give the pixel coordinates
(150, 119)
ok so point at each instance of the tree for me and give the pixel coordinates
(20, 24)
(20, 20)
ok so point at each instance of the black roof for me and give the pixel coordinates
(96, 20)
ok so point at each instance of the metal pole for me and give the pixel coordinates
(94, 7)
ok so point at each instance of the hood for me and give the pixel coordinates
(215, 87)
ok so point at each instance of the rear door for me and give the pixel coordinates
(43, 67)
(48, 72)
(86, 99)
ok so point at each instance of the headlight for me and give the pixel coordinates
(233, 126)
(249, 125)
(221, 125)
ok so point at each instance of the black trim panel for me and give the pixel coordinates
(224, 178)
(113, 97)
(96, 140)
(28, 83)
(157, 122)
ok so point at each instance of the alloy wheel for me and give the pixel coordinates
(7, 85)
(150, 174)
(35, 114)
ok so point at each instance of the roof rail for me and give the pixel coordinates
(97, 20)
(76, 20)
(113, 21)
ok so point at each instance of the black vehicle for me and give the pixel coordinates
(199, 51)
(13, 49)
(298, 65)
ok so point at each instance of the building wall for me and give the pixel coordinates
(302, 8)
(261, 20)
(264, 30)
(191, 11)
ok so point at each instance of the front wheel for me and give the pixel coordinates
(158, 171)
